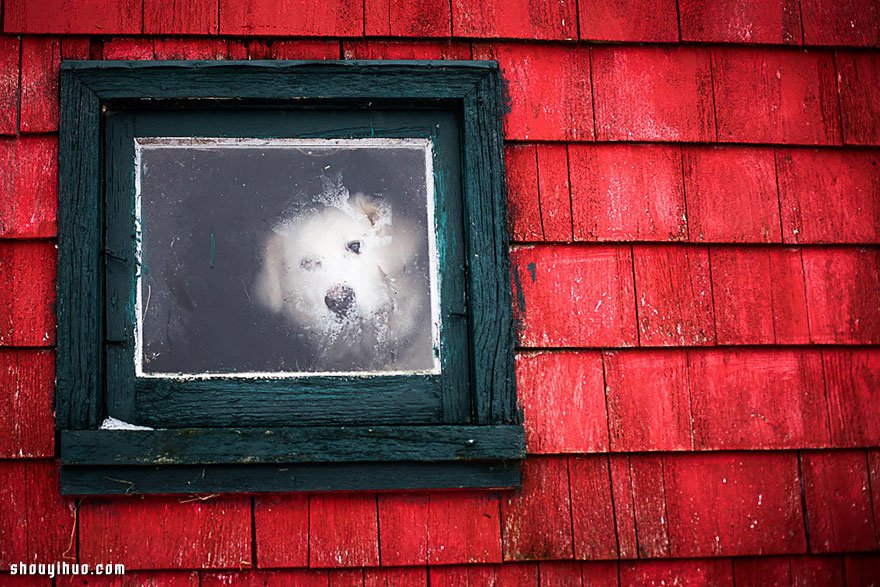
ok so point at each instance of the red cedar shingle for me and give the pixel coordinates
(741, 21)
(403, 528)
(76, 48)
(86, 17)
(874, 473)
(709, 573)
(852, 381)
(51, 517)
(795, 571)
(181, 17)
(515, 19)
(299, 577)
(40, 63)
(841, 22)
(648, 489)
(858, 77)
(406, 50)
(757, 399)
(415, 18)
(463, 528)
(536, 520)
(9, 56)
(843, 294)
(343, 530)
(838, 501)
(139, 578)
(728, 504)
(829, 196)
(282, 530)
(759, 296)
(178, 49)
(27, 389)
(334, 18)
(592, 509)
(599, 574)
(128, 49)
(624, 508)
(674, 295)
(522, 574)
(524, 206)
(731, 195)
(305, 49)
(401, 577)
(775, 96)
(563, 399)
(27, 293)
(555, 195)
(627, 193)
(166, 532)
(648, 400)
(549, 87)
(646, 21)
(13, 513)
(28, 187)
(862, 569)
(574, 296)
(645, 93)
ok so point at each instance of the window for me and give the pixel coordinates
(283, 276)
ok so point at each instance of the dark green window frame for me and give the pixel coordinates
(459, 429)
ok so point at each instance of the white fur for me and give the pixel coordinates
(307, 256)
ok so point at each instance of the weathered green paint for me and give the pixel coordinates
(269, 99)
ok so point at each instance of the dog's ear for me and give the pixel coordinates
(267, 286)
(373, 207)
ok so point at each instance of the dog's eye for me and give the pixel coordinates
(354, 247)
(310, 264)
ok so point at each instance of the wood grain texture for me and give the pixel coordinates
(652, 94)
(624, 506)
(85, 17)
(838, 501)
(759, 296)
(139, 578)
(28, 187)
(874, 476)
(343, 531)
(563, 401)
(13, 513)
(843, 294)
(260, 578)
(862, 570)
(282, 530)
(758, 399)
(674, 295)
(648, 491)
(775, 96)
(129, 49)
(515, 575)
(710, 573)
(523, 201)
(414, 49)
(27, 293)
(515, 19)
(338, 18)
(51, 517)
(167, 532)
(27, 425)
(627, 193)
(77, 48)
(40, 60)
(179, 17)
(419, 18)
(731, 195)
(843, 22)
(852, 382)
(649, 405)
(574, 296)
(592, 508)
(800, 570)
(182, 49)
(300, 49)
(727, 504)
(549, 90)
(536, 520)
(639, 21)
(858, 80)
(554, 192)
(9, 84)
(829, 196)
(741, 21)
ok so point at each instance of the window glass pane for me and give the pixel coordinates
(285, 256)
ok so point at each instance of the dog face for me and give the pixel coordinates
(343, 271)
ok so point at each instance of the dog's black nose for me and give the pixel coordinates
(339, 299)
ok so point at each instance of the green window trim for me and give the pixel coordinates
(461, 428)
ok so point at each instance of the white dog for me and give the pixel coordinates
(346, 274)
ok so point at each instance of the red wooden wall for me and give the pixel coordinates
(695, 205)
